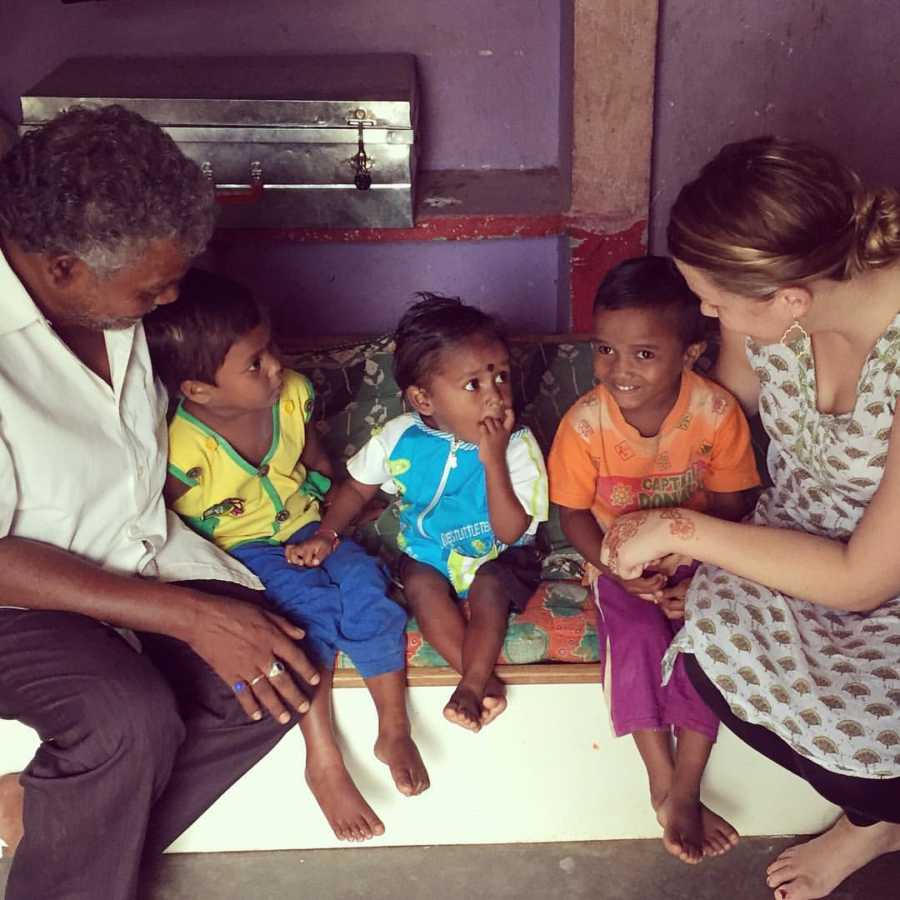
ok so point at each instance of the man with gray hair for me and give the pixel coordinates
(100, 216)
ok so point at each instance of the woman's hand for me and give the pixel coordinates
(638, 541)
(254, 652)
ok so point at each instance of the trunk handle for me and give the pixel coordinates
(234, 194)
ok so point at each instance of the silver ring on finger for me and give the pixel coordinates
(276, 669)
(255, 680)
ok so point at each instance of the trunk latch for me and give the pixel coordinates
(361, 161)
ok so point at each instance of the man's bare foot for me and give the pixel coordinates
(12, 796)
(814, 869)
(692, 831)
(350, 817)
(397, 750)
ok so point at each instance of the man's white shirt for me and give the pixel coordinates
(83, 463)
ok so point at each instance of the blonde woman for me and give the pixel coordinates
(792, 626)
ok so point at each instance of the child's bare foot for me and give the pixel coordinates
(493, 701)
(465, 708)
(348, 814)
(814, 869)
(691, 831)
(12, 797)
(682, 829)
(397, 750)
(719, 835)
(472, 708)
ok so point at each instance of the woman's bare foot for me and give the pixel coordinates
(397, 750)
(814, 869)
(348, 814)
(12, 796)
(472, 708)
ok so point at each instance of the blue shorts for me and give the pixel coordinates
(342, 604)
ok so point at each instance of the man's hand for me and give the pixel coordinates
(311, 552)
(254, 652)
(494, 438)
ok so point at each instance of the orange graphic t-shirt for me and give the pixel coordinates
(600, 462)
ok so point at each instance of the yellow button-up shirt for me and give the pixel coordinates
(232, 501)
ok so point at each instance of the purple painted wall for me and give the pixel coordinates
(363, 289)
(819, 70)
(490, 71)
(491, 98)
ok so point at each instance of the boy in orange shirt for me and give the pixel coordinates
(652, 433)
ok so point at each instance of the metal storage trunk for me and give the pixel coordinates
(290, 141)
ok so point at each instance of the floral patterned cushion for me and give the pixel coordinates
(558, 625)
(356, 391)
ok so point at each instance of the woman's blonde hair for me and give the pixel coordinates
(770, 212)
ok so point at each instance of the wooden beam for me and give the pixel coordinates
(535, 673)
(612, 121)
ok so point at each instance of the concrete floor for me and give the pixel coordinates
(608, 870)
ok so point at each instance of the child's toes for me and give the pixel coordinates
(464, 708)
(491, 707)
(714, 846)
(419, 778)
(401, 755)
(412, 781)
(403, 781)
(459, 717)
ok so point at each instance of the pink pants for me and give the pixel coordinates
(634, 635)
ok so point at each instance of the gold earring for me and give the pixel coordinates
(801, 336)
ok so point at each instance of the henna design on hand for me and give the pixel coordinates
(623, 530)
(681, 527)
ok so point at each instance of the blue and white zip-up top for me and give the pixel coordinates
(440, 483)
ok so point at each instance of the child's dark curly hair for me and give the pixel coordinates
(190, 338)
(430, 327)
(654, 283)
